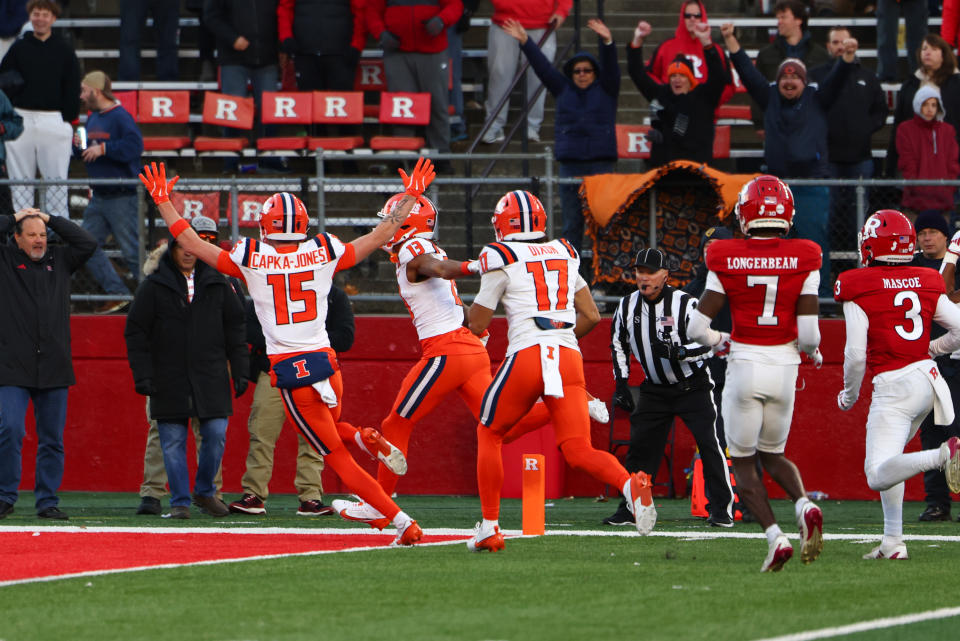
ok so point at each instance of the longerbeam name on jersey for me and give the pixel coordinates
(762, 262)
(901, 283)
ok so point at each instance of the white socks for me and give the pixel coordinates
(772, 533)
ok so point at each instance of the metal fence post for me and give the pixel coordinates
(548, 174)
(861, 203)
(234, 210)
(321, 201)
(653, 218)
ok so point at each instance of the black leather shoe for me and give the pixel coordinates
(5, 509)
(52, 512)
(149, 505)
(935, 513)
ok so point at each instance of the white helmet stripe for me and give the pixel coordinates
(288, 211)
(524, 203)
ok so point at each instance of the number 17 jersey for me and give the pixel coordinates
(899, 302)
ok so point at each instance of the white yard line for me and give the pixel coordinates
(866, 626)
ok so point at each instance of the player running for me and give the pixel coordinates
(288, 277)
(771, 283)
(548, 307)
(888, 308)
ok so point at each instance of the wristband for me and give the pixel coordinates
(465, 268)
(950, 258)
(179, 227)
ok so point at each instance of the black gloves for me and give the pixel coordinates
(622, 398)
(388, 41)
(144, 387)
(240, 385)
(434, 25)
(289, 46)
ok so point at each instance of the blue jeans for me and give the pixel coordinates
(888, 14)
(113, 214)
(845, 221)
(234, 78)
(166, 22)
(173, 440)
(570, 200)
(50, 414)
(810, 217)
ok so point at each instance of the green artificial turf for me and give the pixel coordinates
(553, 587)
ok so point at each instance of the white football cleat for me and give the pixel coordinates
(598, 411)
(638, 492)
(811, 533)
(486, 538)
(950, 452)
(779, 553)
(371, 441)
(896, 552)
(361, 512)
(409, 534)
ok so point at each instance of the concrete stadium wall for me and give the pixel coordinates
(106, 425)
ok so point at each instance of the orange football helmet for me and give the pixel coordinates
(421, 222)
(519, 216)
(284, 217)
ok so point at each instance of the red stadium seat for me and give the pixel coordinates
(285, 108)
(402, 109)
(166, 108)
(226, 111)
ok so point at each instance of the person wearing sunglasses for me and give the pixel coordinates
(586, 93)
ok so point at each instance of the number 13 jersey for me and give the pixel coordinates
(899, 302)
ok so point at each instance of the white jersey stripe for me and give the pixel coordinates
(428, 376)
(301, 423)
(490, 397)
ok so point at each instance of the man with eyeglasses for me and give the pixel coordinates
(685, 42)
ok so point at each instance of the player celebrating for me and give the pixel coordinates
(888, 309)
(548, 307)
(771, 283)
(289, 277)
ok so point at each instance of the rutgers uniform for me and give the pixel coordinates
(762, 277)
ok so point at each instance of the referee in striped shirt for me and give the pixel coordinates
(651, 323)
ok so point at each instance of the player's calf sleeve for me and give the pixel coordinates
(601, 465)
(489, 472)
(346, 431)
(359, 482)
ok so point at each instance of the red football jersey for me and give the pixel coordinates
(899, 302)
(763, 279)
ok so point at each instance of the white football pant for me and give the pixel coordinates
(758, 406)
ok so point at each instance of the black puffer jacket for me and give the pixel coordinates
(255, 20)
(182, 349)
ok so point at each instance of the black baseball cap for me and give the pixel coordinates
(650, 258)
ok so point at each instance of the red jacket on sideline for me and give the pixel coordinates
(532, 14)
(927, 150)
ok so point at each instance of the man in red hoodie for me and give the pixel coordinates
(685, 42)
(413, 35)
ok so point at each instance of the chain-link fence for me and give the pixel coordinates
(833, 209)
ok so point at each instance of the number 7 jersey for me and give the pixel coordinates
(763, 278)
(899, 302)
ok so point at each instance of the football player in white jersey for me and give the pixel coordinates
(288, 276)
(548, 307)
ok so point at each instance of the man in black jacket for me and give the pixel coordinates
(35, 363)
(185, 325)
(651, 324)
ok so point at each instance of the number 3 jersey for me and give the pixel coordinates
(536, 282)
(289, 288)
(899, 302)
(763, 278)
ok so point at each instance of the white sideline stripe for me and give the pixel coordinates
(864, 626)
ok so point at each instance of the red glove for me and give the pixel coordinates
(155, 180)
(418, 181)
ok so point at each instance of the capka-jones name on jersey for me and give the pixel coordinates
(901, 283)
(295, 261)
(762, 262)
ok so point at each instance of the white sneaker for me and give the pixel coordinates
(485, 538)
(370, 440)
(361, 512)
(533, 135)
(950, 452)
(779, 553)
(409, 534)
(598, 411)
(637, 491)
(811, 533)
(897, 552)
(492, 137)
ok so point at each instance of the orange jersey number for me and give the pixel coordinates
(289, 287)
(539, 272)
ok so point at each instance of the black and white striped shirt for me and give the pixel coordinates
(646, 329)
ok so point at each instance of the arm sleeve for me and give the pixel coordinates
(811, 284)
(879, 109)
(717, 76)
(553, 80)
(340, 325)
(951, 17)
(492, 286)
(698, 329)
(215, 19)
(284, 19)
(235, 335)
(81, 243)
(855, 351)
(348, 259)
(138, 331)
(620, 342)
(609, 69)
(757, 86)
(946, 315)
(714, 284)
(808, 333)
(641, 77)
(829, 90)
(70, 110)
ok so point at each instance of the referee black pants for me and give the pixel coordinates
(691, 401)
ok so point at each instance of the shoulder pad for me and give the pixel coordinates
(496, 256)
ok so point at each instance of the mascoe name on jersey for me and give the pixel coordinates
(537, 288)
(899, 302)
(763, 278)
(433, 303)
(289, 290)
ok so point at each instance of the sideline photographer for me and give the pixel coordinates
(651, 323)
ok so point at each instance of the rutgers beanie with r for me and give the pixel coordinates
(793, 66)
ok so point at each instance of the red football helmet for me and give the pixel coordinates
(421, 222)
(519, 216)
(887, 236)
(765, 201)
(284, 217)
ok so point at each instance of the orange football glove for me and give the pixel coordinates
(155, 180)
(421, 177)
